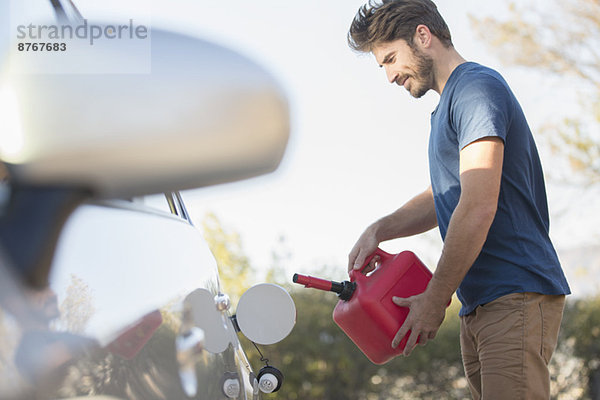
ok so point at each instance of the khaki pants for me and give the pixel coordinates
(507, 344)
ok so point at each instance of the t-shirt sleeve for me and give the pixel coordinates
(481, 108)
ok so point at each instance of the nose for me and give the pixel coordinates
(391, 75)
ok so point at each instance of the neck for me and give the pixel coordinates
(445, 63)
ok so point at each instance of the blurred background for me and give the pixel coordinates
(358, 151)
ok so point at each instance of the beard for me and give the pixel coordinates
(423, 77)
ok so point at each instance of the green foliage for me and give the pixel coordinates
(581, 331)
(320, 362)
(582, 322)
(235, 271)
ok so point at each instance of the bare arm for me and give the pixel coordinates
(414, 217)
(480, 175)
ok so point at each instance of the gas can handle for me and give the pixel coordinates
(354, 274)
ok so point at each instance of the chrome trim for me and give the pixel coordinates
(177, 206)
(171, 201)
(61, 14)
(184, 213)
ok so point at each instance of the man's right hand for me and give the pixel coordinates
(416, 216)
(365, 246)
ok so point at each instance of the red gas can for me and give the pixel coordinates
(367, 315)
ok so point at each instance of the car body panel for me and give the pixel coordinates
(118, 262)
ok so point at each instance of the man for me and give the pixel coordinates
(488, 199)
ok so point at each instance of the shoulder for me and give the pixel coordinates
(481, 90)
(476, 82)
(481, 104)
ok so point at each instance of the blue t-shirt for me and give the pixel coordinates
(518, 255)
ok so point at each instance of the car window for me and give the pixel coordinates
(156, 202)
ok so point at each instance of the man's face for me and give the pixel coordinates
(406, 66)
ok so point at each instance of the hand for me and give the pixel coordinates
(365, 246)
(424, 319)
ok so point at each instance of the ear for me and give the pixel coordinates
(423, 36)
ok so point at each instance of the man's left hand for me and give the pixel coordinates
(423, 320)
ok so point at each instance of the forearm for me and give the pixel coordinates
(467, 232)
(480, 178)
(414, 217)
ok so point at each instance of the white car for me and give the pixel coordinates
(142, 313)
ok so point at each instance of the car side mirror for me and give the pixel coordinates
(203, 115)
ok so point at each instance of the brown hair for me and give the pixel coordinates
(390, 20)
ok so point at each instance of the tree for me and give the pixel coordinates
(77, 308)
(320, 362)
(562, 38)
(581, 333)
(235, 272)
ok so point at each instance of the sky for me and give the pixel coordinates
(358, 145)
